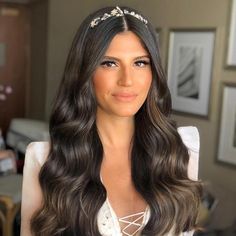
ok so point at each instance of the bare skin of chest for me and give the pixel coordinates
(116, 176)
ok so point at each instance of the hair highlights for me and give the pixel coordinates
(70, 178)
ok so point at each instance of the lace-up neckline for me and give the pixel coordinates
(132, 223)
(136, 225)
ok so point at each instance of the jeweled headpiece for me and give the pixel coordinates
(116, 12)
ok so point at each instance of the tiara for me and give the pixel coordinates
(117, 12)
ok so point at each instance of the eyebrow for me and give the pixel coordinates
(115, 58)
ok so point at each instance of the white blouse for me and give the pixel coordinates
(108, 222)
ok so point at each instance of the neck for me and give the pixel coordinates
(114, 131)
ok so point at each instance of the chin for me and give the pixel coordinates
(126, 113)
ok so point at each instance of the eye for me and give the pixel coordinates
(142, 63)
(108, 64)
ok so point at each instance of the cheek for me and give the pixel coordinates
(146, 84)
(149, 82)
(101, 86)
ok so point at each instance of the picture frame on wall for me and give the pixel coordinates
(231, 54)
(190, 59)
(227, 134)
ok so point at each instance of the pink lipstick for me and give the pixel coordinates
(125, 97)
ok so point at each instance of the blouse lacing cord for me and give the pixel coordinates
(132, 223)
(124, 219)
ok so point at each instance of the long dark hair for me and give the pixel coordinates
(70, 178)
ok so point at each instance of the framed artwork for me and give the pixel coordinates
(231, 56)
(227, 136)
(189, 70)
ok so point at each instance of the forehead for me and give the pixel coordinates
(126, 42)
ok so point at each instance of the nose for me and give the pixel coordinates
(126, 77)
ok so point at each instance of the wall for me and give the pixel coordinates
(65, 17)
(39, 14)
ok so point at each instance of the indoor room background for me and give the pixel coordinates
(49, 27)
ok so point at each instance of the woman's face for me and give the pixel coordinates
(123, 78)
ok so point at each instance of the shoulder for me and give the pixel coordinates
(32, 198)
(191, 139)
(36, 153)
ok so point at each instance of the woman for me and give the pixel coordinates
(116, 164)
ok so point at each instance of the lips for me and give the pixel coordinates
(125, 96)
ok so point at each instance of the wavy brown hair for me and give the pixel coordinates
(70, 178)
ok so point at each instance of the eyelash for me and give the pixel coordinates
(105, 63)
